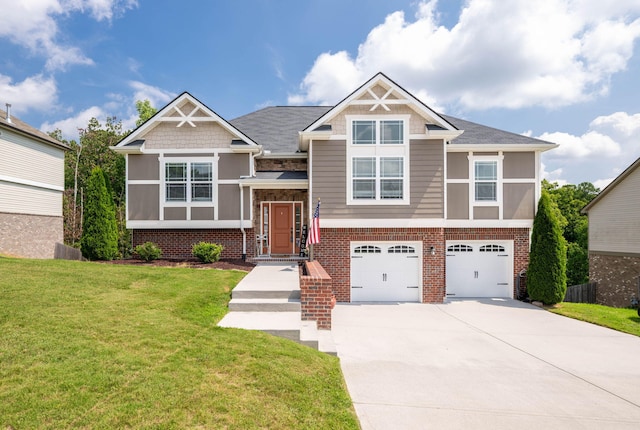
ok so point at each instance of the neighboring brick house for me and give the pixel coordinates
(416, 206)
(614, 239)
(31, 187)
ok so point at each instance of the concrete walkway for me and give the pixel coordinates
(268, 299)
(485, 364)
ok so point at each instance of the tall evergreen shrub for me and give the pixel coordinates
(547, 272)
(100, 233)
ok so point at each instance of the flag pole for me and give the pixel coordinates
(311, 256)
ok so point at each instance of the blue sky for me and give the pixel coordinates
(566, 71)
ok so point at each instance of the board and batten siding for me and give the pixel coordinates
(614, 222)
(330, 182)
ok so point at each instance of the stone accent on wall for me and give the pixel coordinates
(177, 243)
(617, 277)
(278, 196)
(281, 164)
(315, 294)
(30, 236)
(333, 252)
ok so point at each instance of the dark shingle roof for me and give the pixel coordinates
(18, 125)
(477, 134)
(277, 127)
(281, 175)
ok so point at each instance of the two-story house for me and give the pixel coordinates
(415, 205)
(31, 188)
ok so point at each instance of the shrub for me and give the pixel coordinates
(207, 252)
(546, 275)
(148, 251)
(100, 233)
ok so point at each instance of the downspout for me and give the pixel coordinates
(244, 233)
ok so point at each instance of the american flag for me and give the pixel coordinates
(314, 231)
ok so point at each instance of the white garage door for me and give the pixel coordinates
(386, 271)
(479, 269)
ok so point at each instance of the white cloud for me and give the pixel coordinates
(608, 147)
(35, 92)
(120, 106)
(70, 126)
(34, 25)
(499, 54)
(589, 144)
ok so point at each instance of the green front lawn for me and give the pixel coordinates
(87, 345)
(621, 319)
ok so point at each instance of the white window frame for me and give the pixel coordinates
(189, 202)
(472, 183)
(378, 151)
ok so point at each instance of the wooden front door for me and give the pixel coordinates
(281, 228)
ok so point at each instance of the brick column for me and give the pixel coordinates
(315, 294)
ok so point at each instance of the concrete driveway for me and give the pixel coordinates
(485, 364)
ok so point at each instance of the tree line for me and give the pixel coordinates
(89, 202)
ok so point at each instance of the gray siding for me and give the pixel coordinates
(457, 165)
(485, 212)
(202, 214)
(519, 201)
(329, 183)
(143, 202)
(519, 165)
(614, 223)
(143, 167)
(232, 166)
(229, 202)
(175, 213)
(458, 201)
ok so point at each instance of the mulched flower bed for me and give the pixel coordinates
(190, 263)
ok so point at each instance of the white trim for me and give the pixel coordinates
(498, 202)
(182, 224)
(538, 187)
(378, 151)
(287, 155)
(143, 182)
(185, 152)
(505, 147)
(275, 184)
(29, 183)
(309, 180)
(422, 223)
(445, 172)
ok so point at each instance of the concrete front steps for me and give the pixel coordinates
(268, 299)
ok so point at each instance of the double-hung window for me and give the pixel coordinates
(486, 180)
(187, 181)
(378, 154)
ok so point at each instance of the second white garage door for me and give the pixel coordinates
(479, 269)
(386, 271)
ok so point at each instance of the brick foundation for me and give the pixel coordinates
(177, 243)
(30, 236)
(315, 294)
(617, 277)
(333, 252)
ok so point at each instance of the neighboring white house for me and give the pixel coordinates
(31, 187)
(614, 239)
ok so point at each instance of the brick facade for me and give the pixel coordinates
(617, 276)
(334, 253)
(177, 243)
(30, 236)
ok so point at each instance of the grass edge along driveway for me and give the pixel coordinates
(87, 345)
(625, 320)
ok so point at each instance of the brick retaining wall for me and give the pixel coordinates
(315, 294)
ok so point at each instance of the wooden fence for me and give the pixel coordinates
(64, 252)
(584, 293)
